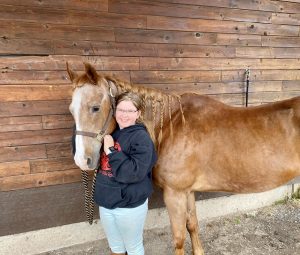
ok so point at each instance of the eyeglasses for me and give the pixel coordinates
(126, 111)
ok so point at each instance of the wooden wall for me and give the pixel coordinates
(175, 45)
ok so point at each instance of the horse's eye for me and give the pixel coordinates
(95, 108)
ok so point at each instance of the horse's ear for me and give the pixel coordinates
(113, 90)
(91, 73)
(72, 74)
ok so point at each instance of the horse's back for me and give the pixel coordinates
(233, 148)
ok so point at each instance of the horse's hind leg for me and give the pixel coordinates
(176, 202)
(192, 225)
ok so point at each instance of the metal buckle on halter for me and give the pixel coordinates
(100, 136)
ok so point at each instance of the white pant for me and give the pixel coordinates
(124, 228)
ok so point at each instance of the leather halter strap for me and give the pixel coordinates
(100, 135)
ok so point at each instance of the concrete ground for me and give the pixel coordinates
(270, 230)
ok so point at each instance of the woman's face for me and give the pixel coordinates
(126, 114)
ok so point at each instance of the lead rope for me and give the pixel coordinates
(89, 202)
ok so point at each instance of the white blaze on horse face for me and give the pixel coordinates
(76, 105)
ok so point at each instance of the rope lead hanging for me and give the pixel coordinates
(247, 73)
(89, 196)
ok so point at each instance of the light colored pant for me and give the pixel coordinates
(124, 228)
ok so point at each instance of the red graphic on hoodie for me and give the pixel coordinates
(105, 167)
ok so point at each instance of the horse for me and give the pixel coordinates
(203, 144)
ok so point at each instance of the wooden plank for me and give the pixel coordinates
(285, 18)
(22, 152)
(35, 137)
(39, 180)
(35, 92)
(262, 75)
(185, 24)
(32, 14)
(94, 19)
(181, 37)
(57, 121)
(164, 36)
(267, 52)
(287, 52)
(25, 46)
(291, 86)
(55, 150)
(218, 87)
(32, 77)
(188, 11)
(29, 108)
(96, 5)
(144, 49)
(46, 31)
(51, 165)
(14, 168)
(58, 63)
(52, 19)
(175, 76)
(149, 63)
(278, 41)
(238, 39)
(20, 123)
(266, 5)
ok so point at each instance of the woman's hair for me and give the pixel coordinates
(136, 99)
(138, 102)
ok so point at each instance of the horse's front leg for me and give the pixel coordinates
(192, 225)
(176, 202)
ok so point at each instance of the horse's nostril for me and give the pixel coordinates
(89, 161)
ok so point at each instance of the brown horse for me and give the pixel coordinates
(203, 144)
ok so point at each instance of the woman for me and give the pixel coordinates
(124, 180)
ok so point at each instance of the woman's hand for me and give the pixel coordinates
(107, 142)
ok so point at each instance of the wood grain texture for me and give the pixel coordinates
(159, 22)
(14, 168)
(35, 137)
(55, 150)
(266, 5)
(188, 11)
(20, 123)
(215, 64)
(98, 5)
(13, 153)
(29, 108)
(52, 165)
(39, 179)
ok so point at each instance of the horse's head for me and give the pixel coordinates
(92, 108)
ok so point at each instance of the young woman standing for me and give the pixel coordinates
(124, 180)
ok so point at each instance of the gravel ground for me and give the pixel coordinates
(273, 230)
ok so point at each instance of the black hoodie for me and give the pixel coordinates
(124, 179)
